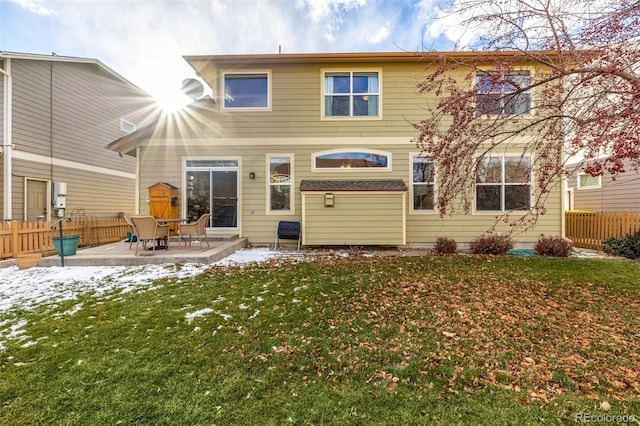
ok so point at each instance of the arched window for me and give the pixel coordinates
(345, 159)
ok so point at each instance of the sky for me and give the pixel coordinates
(144, 40)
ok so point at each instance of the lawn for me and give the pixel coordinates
(339, 340)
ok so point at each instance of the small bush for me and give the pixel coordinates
(491, 244)
(445, 245)
(627, 246)
(553, 246)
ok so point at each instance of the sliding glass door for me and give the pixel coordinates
(212, 187)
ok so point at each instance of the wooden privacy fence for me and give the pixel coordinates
(588, 229)
(20, 238)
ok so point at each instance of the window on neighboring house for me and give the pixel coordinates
(496, 93)
(424, 183)
(586, 181)
(246, 90)
(503, 184)
(280, 182)
(356, 159)
(351, 94)
(127, 126)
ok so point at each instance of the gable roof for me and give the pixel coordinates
(68, 59)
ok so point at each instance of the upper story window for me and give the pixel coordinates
(496, 93)
(423, 183)
(503, 184)
(127, 126)
(246, 90)
(351, 94)
(352, 159)
(586, 181)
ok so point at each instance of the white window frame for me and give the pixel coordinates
(412, 158)
(351, 71)
(351, 169)
(269, 184)
(504, 93)
(502, 185)
(580, 186)
(266, 72)
(127, 126)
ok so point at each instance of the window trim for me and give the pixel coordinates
(225, 73)
(124, 123)
(412, 210)
(531, 72)
(349, 169)
(268, 184)
(580, 187)
(503, 184)
(323, 73)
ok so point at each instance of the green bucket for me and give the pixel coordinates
(68, 247)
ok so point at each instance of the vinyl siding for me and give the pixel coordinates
(94, 193)
(162, 162)
(355, 219)
(614, 195)
(70, 111)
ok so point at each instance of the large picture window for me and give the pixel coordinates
(351, 159)
(280, 183)
(423, 183)
(351, 94)
(503, 184)
(498, 93)
(246, 90)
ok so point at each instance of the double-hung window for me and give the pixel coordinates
(502, 93)
(423, 183)
(248, 90)
(503, 184)
(280, 182)
(351, 94)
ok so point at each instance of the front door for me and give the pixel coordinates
(36, 200)
(212, 187)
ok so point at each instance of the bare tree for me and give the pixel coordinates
(582, 96)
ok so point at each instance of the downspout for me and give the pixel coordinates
(7, 144)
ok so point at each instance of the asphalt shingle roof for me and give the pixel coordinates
(353, 185)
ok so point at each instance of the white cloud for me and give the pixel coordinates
(35, 6)
(381, 35)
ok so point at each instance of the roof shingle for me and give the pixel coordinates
(353, 185)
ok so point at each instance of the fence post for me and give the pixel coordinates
(625, 222)
(14, 238)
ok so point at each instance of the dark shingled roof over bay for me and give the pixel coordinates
(353, 185)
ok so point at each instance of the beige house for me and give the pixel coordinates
(57, 114)
(320, 139)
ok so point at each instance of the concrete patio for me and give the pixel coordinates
(119, 254)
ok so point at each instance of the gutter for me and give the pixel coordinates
(7, 145)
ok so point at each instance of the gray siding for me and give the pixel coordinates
(614, 195)
(70, 111)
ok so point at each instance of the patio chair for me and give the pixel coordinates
(148, 229)
(132, 230)
(288, 231)
(195, 229)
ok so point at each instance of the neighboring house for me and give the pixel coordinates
(57, 114)
(325, 140)
(602, 193)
